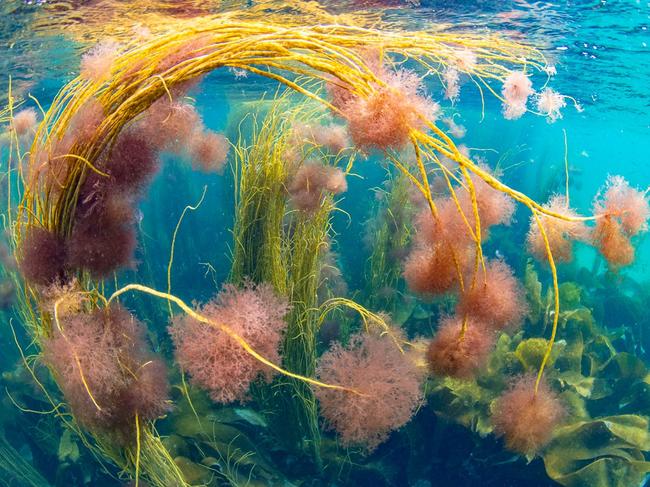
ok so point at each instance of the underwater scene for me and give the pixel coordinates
(292, 243)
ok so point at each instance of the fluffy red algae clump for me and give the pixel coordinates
(526, 420)
(310, 183)
(169, 126)
(217, 362)
(442, 249)
(96, 64)
(561, 234)
(384, 119)
(42, 256)
(622, 213)
(496, 299)
(453, 356)
(105, 370)
(25, 121)
(431, 269)
(208, 151)
(387, 378)
(444, 245)
(517, 87)
(628, 205)
(132, 162)
(494, 207)
(103, 239)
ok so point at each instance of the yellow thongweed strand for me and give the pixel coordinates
(138, 446)
(367, 316)
(228, 331)
(556, 300)
(173, 245)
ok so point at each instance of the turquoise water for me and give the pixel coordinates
(601, 54)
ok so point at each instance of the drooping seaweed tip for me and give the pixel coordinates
(454, 353)
(389, 383)
(213, 359)
(527, 418)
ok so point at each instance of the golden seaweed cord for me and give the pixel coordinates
(266, 243)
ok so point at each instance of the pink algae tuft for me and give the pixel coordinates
(454, 354)
(517, 87)
(25, 121)
(208, 151)
(312, 181)
(332, 137)
(214, 360)
(526, 419)
(622, 213)
(496, 298)
(388, 382)
(96, 64)
(105, 370)
(561, 234)
(384, 118)
(42, 256)
(549, 103)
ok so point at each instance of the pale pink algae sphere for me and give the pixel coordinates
(217, 362)
(388, 382)
(517, 87)
(25, 121)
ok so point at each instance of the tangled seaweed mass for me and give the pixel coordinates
(290, 343)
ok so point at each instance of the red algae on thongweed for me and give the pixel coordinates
(214, 360)
(388, 385)
(456, 353)
(106, 371)
(525, 417)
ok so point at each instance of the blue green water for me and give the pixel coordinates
(601, 52)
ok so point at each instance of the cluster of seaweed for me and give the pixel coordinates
(96, 150)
